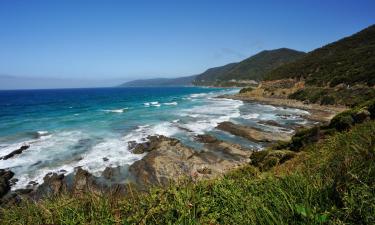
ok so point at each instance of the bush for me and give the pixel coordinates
(342, 121)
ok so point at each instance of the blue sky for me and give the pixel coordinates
(123, 40)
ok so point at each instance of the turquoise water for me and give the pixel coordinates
(81, 127)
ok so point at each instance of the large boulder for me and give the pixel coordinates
(169, 160)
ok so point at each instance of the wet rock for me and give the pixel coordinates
(5, 176)
(252, 133)
(13, 181)
(152, 144)
(132, 144)
(140, 148)
(105, 159)
(84, 182)
(270, 123)
(206, 138)
(15, 152)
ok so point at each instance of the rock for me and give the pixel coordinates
(132, 144)
(109, 172)
(270, 123)
(5, 176)
(15, 152)
(206, 138)
(169, 160)
(84, 182)
(13, 181)
(53, 184)
(252, 133)
(105, 159)
(151, 144)
(24, 191)
(204, 170)
(140, 148)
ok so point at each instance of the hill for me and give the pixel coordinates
(349, 60)
(181, 81)
(212, 75)
(252, 68)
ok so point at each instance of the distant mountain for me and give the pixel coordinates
(212, 75)
(252, 68)
(349, 60)
(181, 81)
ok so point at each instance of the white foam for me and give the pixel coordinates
(55, 154)
(154, 103)
(115, 110)
(42, 133)
(48, 150)
(250, 116)
(170, 103)
(213, 111)
(198, 95)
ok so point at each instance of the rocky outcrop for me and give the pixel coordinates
(169, 160)
(252, 133)
(5, 176)
(53, 184)
(15, 152)
(84, 182)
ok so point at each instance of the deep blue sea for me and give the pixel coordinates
(67, 128)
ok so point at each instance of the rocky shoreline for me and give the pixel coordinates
(318, 113)
(166, 159)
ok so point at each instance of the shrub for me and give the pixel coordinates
(342, 121)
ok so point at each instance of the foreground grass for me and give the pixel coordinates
(331, 182)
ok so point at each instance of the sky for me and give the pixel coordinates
(79, 43)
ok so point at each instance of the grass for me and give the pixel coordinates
(332, 184)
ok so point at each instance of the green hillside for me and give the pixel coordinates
(252, 68)
(255, 67)
(350, 60)
(212, 75)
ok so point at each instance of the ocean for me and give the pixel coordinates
(67, 128)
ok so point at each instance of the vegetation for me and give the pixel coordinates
(327, 182)
(350, 61)
(343, 95)
(252, 68)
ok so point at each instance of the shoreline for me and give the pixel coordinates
(318, 113)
